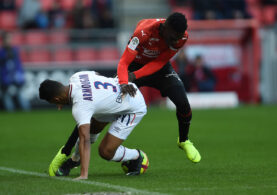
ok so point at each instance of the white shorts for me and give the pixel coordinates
(124, 124)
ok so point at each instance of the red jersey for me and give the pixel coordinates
(147, 48)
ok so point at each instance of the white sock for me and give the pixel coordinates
(76, 154)
(93, 138)
(123, 154)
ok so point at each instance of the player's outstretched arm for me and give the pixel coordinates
(84, 148)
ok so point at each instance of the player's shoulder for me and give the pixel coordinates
(81, 75)
(146, 27)
(77, 74)
(146, 23)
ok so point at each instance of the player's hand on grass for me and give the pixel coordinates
(80, 178)
(128, 89)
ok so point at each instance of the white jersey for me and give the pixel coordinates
(96, 96)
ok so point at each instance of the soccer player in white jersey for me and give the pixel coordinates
(96, 98)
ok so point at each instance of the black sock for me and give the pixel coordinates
(184, 124)
(71, 142)
(177, 95)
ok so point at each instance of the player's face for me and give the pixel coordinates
(59, 102)
(170, 36)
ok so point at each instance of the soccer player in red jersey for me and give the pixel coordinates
(145, 62)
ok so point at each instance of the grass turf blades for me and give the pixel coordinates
(238, 148)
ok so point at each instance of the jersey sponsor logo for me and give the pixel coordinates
(117, 129)
(119, 98)
(151, 53)
(133, 43)
(153, 39)
(86, 87)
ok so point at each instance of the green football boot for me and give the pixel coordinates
(191, 152)
(58, 160)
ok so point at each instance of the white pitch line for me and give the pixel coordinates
(94, 183)
(221, 188)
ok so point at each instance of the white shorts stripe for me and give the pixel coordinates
(124, 125)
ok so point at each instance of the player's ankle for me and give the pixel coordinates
(75, 158)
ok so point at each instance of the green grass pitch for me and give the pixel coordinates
(238, 148)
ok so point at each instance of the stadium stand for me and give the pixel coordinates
(24, 55)
(86, 54)
(18, 39)
(98, 47)
(8, 20)
(35, 38)
(58, 37)
(39, 55)
(18, 3)
(265, 13)
(108, 53)
(269, 14)
(63, 55)
(47, 4)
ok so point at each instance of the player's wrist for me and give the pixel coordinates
(123, 83)
(131, 76)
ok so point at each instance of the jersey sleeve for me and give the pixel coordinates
(129, 55)
(122, 68)
(82, 113)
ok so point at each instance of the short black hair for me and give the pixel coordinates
(178, 22)
(49, 89)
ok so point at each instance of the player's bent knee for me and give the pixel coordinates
(106, 152)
